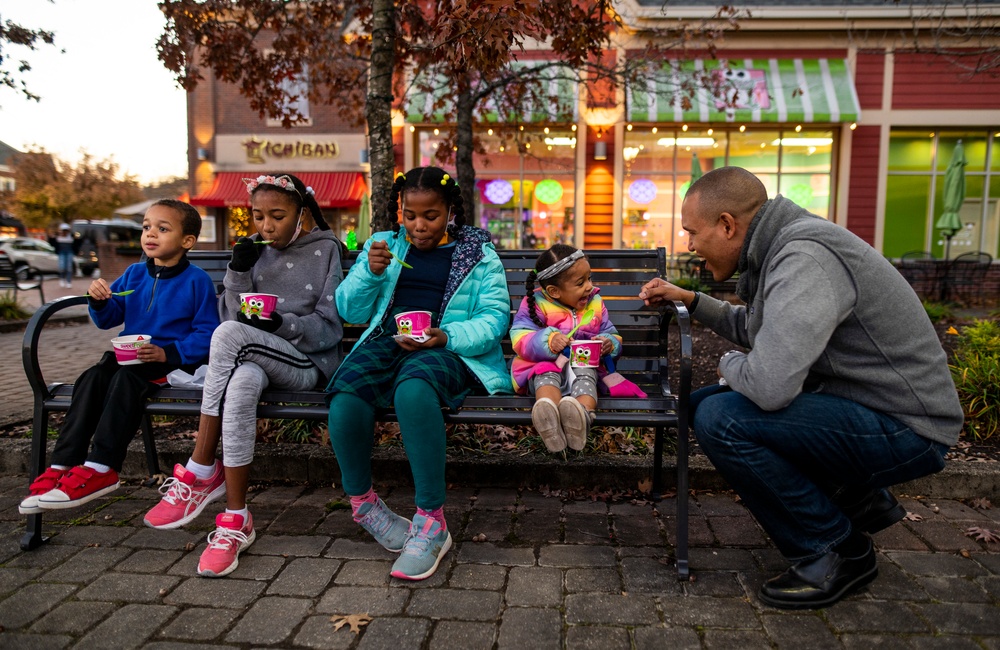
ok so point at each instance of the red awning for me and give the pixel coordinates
(333, 189)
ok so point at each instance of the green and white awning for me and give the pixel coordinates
(554, 98)
(746, 90)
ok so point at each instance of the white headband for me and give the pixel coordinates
(560, 266)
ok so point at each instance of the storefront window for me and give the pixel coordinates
(660, 164)
(525, 184)
(918, 162)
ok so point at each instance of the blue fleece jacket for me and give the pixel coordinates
(175, 305)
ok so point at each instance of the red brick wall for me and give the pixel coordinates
(932, 81)
(862, 195)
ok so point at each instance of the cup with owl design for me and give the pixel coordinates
(585, 354)
(413, 324)
(258, 304)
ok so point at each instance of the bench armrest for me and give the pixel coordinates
(677, 311)
(29, 347)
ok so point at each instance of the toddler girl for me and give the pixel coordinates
(449, 269)
(565, 401)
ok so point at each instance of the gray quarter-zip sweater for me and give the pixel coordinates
(305, 276)
(826, 312)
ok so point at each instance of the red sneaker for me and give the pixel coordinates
(78, 486)
(44, 482)
(231, 537)
(185, 496)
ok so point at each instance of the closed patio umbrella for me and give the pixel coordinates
(364, 219)
(954, 195)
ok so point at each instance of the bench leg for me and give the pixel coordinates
(152, 462)
(33, 537)
(683, 571)
(657, 494)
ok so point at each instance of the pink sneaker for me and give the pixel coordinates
(230, 538)
(185, 496)
(79, 486)
(44, 482)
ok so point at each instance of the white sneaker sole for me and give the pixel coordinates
(545, 419)
(214, 495)
(63, 505)
(573, 416)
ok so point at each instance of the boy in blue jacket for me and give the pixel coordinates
(166, 298)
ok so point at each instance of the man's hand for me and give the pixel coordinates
(379, 257)
(658, 292)
(150, 353)
(438, 339)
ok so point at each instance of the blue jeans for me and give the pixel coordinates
(788, 465)
(66, 266)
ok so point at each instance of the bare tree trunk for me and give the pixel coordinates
(378, 110)
(463, 157)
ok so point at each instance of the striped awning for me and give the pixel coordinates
(333, 189)
(553, 99)
(746, 90)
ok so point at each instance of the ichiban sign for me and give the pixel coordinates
(259, 151)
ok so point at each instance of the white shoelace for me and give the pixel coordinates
(220, 538)
(174, 491)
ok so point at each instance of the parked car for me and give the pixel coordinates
(27, 252)
(92, 233)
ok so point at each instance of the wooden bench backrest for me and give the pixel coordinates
(619, 274)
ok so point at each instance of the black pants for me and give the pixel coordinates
(107, 406)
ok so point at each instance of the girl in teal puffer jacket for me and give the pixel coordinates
(442, 266)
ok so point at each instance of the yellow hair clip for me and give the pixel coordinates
(400, 174)
(444, 179)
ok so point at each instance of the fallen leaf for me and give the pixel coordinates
(356, 621)
(189, 546)
(981, 504)
(912, 516)
(646, 485)
(951, 330)
(964, 553)
(982, 534)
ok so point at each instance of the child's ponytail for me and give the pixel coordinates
(393, 208)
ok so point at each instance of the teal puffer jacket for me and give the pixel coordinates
(476, 312)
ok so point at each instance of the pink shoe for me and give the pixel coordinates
(79, 486)
(230, 538)
(44, 482)
(185, 496)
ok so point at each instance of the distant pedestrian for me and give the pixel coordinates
(171, 301)
(65, 247)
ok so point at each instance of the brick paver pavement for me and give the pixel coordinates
(550, 574)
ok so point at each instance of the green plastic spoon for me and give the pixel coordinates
(397, 258)
(119, 293)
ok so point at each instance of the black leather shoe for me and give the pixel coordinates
(821, 582)
(876, 511)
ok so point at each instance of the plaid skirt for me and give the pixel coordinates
(373, 371)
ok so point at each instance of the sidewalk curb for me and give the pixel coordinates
(317, 465)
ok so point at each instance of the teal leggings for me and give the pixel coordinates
(352, 426)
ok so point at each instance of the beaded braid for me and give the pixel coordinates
(544, 261)
(529, 287)
(432, 179)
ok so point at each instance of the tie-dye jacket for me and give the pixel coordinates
(531, 343)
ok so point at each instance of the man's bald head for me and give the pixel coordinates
(728, 189)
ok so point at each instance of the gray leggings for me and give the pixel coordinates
(244, 361)
(585, 384)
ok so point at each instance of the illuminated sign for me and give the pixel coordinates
(259, 151)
